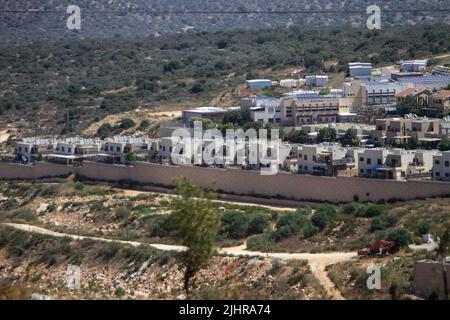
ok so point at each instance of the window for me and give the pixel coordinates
(379, 162)
(447, 174)
(69, 149)
(306, 167)
(118, 149)
(447, 164)
(437, 174)
(314, 158)
(437, 162)
(369, 161)
(111, 148)
(361, 159)
(305, 157)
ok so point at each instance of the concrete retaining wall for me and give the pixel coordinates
(299, 187)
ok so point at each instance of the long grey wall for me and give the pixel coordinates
(300, 187)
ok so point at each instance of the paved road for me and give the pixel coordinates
(317, 261)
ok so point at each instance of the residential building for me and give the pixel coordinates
(381, 93)
(401, 130)
(257, 84)
(433, 83)
(326, 159)
(370, 160)
(400, 75)
(440, 103)
(422, 97)
(32, 149)
(316, 81)
(292, 83)
(258, 101)
(441, 166)
(72, 151)
(414, 65)
(309, 110)
(266, 114)
(211, 113)
(360, 69)
(441, 70)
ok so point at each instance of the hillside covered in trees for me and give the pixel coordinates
(144, 18)
(63, 87)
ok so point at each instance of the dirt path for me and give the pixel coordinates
(317, 261)
(133, 193)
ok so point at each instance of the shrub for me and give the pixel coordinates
(126, 123)
(391, 220)
(309, 230)
(320, 219)
(351, 208)
(289, 224)
(423, 227)
(257, 224)
(79, 186)
(373, 210)
(376, 225)
(260, 242)
(400, 236)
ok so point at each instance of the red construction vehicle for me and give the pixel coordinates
(379, 247)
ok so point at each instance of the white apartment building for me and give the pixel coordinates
(266, 114)
(360, 69)
(414, 66)
(441, 166)
(316, 81)
(326, 159)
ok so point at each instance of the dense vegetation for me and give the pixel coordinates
(132, 17)
(63, 87)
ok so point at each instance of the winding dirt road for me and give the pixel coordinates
(317, 261)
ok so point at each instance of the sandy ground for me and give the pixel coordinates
(317, 261)
(4, 135)
(137, 116)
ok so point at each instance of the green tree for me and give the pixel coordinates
(105, 130)
(409, 105)
(400, 236)
(126, 123)
(350, 139)
(327, 135)
(298, 136)
(444, 145)
(131, 157)
(196, 224)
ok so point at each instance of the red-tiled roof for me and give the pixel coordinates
(408, 92)
(443, 94)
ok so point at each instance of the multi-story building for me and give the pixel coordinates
(32, 149)
(401, 130)
(326, 159)
(440, 103)
(421, 97)
(257, 84)
(309, 109)
(441, 166)
(414, 66)
(211, 113)
(395, 164)
(433, 83)
(360, 69)
(266, 114)
(441, 70)
(316, 81)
